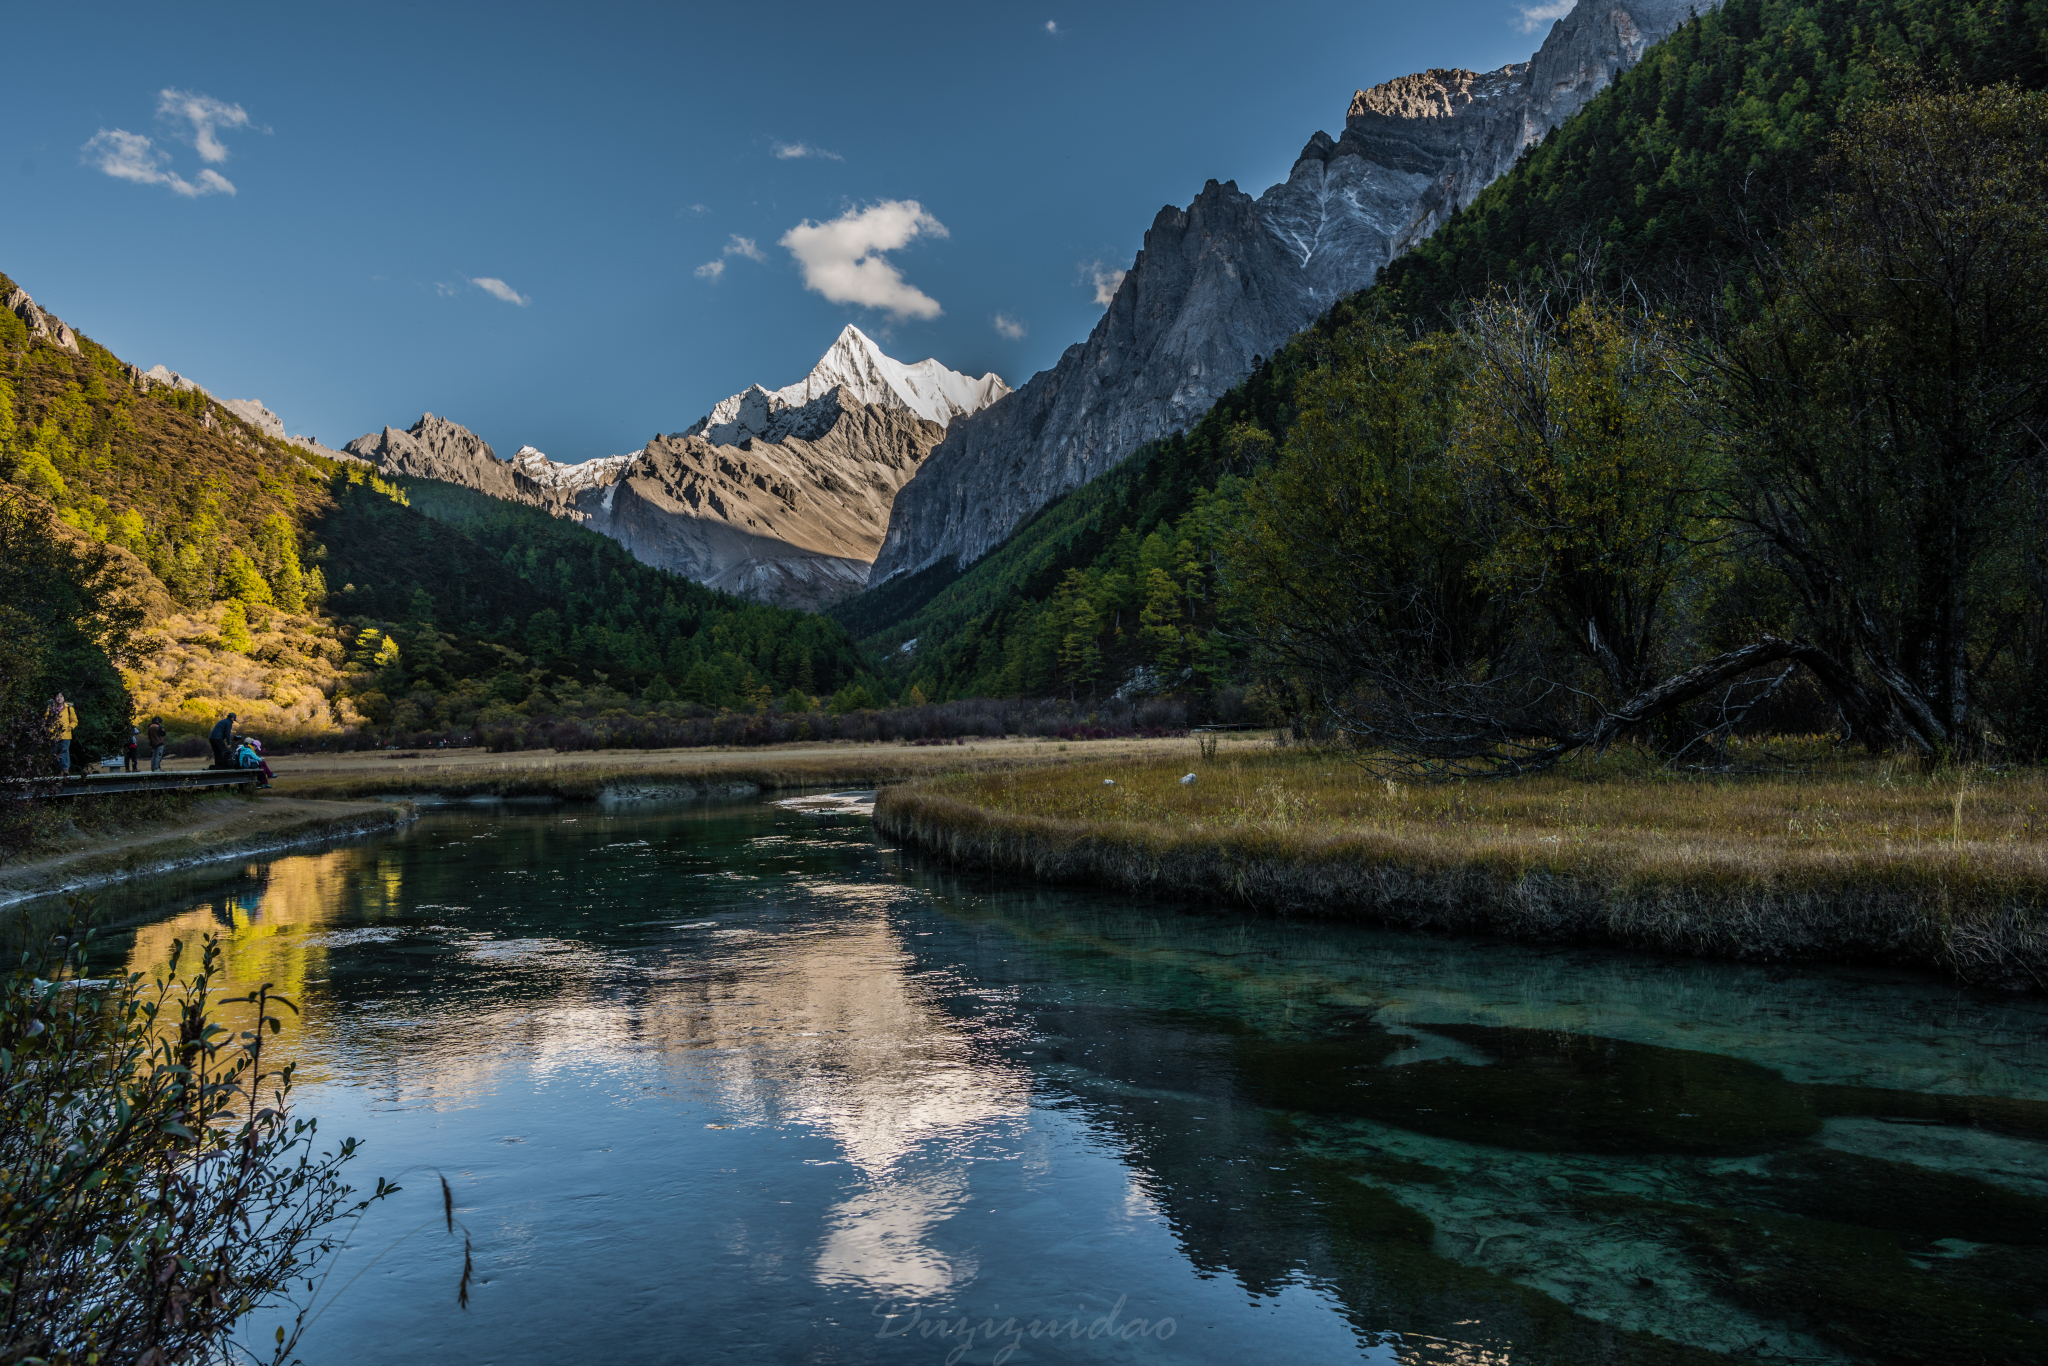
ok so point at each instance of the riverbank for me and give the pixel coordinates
(336, 796)
(1845, 861)
(195, 830)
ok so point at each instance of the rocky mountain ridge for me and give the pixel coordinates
(553, 474)
(250, 410)
(778, 495)
(435, 448)
(1229, 278)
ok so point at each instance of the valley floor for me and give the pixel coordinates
(1826, 859)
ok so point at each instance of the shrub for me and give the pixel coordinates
(155, 1186)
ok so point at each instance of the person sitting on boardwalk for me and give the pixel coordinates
(222, 738)
(156, 736)
(63, 723)
(250, 755)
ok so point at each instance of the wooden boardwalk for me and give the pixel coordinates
(183, 780)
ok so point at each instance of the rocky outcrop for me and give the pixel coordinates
(46, 326)
(252, 411)
(1230, 278)
(161, 376)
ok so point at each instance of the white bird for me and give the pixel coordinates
(1185, 781)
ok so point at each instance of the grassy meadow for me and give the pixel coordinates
(1829, 856)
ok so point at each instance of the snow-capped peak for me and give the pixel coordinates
(553, 474)
(858, 367)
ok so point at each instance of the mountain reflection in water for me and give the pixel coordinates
(734, 1083)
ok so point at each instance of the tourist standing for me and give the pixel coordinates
(63, 724)
(222, 739)
(156, 737)
(131, 761)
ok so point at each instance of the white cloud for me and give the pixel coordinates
(1534, 17)
(131, 156)
(842, 258)
(736, 246)
(694, 208)
(498, 289)
(1105, 282)
(206, 115)
(1054, 29)
(790, 151)
(445, 291)
(1007, 326)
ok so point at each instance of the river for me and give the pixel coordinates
(739, 1083)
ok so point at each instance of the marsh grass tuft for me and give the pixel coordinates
(1827, 857)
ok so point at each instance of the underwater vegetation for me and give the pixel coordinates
(1883, 1261)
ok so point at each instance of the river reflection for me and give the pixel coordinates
(735, 1083)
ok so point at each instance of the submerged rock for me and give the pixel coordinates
(1542, 1092)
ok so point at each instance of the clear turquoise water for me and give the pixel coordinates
(739, 1083)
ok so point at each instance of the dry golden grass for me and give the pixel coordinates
(585, 775)
(1847, 858)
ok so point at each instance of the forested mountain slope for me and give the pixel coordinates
(1712, 135)
(1710, 140)
(1229, 278)
(307, 595)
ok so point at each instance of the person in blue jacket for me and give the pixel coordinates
(249, 754)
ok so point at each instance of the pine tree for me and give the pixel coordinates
(241, 581)
(1161, 637)
(234, 628)
(1080, 626)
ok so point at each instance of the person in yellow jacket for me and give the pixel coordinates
(63, 723)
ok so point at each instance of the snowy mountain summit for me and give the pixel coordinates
(553, 474)
(863, 374)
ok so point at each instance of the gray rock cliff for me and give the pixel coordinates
(1229, 278)
(48, 326)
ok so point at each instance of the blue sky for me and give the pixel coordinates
(297, 203)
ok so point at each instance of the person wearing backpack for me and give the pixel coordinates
(156, 735)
